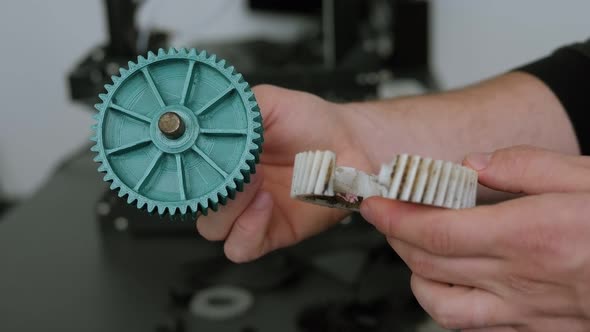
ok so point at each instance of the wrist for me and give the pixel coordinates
(371, 125)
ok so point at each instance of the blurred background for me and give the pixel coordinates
(73, 256)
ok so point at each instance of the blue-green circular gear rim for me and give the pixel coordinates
(233, 181)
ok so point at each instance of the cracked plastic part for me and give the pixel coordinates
(317, 179)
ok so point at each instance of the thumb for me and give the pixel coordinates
(530, 170)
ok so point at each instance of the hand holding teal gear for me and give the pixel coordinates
(178, 132)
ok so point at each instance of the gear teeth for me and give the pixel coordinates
(246, 174)
(243, 85)
(213, 205)
(231, 192)
(203, 208)
(194, 208)
(222, 198)
(150, 207)
(140, 203)
(189, 209)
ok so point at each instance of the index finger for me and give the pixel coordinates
(469, 232)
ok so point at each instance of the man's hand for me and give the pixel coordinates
(264, 217)
(521, 265)
(365, 135)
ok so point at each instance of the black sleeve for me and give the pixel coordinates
(567, 73)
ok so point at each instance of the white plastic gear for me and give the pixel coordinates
(317, 179)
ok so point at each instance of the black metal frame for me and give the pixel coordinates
(338, 80)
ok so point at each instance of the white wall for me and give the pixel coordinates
(41, 41)
(478, 39)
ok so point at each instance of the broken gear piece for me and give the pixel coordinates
(409, 178)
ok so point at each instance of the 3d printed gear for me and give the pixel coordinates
(178, 132)
(317, 179)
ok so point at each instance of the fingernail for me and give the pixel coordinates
(478, 161)
(366, 211)
(261, 201)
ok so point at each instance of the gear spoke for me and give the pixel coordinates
(209, 161)
(148, 171)
(150, 81)
(215, 100)
(131, 113)
(180, 171)
(224, 132)
(127, 147)
(188, 82)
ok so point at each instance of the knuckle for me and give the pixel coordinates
(210, 233)
(446, 318)
(420, 264)
(236, 255)
(464, 319)
(524, 285)
(515, 160)
(439, 239)
(245, 229)
(543, 243)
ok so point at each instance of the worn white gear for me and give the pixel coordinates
(408, 178)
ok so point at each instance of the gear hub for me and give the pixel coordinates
(178, 132)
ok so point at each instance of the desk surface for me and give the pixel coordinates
(60, 273)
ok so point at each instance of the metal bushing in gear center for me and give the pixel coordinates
(179, 132)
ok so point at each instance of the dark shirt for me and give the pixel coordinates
(567, 73)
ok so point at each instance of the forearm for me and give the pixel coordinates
(508, 110)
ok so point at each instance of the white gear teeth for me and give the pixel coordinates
(432, 181)
(420, 184)
(313, 174)
(410, 178)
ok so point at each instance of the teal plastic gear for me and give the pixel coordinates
(189, 170)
